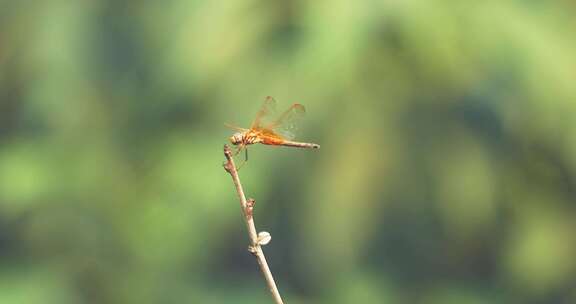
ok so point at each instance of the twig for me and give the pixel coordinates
(255, 240)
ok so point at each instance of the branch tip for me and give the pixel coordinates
(228, 164)
(227, 151)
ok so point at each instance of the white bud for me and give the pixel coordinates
(263, 238)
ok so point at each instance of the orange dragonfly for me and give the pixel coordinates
(264, 130)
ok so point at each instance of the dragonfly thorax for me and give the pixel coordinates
(245, 138)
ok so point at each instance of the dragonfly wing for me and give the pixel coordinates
(235, 127)
(266, 113)
(286, 124)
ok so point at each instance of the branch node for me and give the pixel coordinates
(227, 166)
(252, 249)
(249, 211)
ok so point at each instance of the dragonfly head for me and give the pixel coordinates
(236, 138)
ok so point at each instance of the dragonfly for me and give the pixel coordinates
(269, 131)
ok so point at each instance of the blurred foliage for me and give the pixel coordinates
(447, 172)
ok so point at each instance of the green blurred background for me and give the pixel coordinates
(447, 172)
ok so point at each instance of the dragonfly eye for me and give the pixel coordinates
(235, 139)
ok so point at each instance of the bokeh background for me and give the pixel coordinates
(447, 172)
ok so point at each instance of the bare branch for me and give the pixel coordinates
(247, 207)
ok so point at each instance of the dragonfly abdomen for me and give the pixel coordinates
(270, 140)
(300, 144)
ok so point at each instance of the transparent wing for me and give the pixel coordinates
(266, 113)
(233, 127)
(286, 124)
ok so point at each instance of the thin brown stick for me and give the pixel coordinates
(255, 242)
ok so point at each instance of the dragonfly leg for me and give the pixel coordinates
(240, 148)
(240, 166)
(244, 161)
